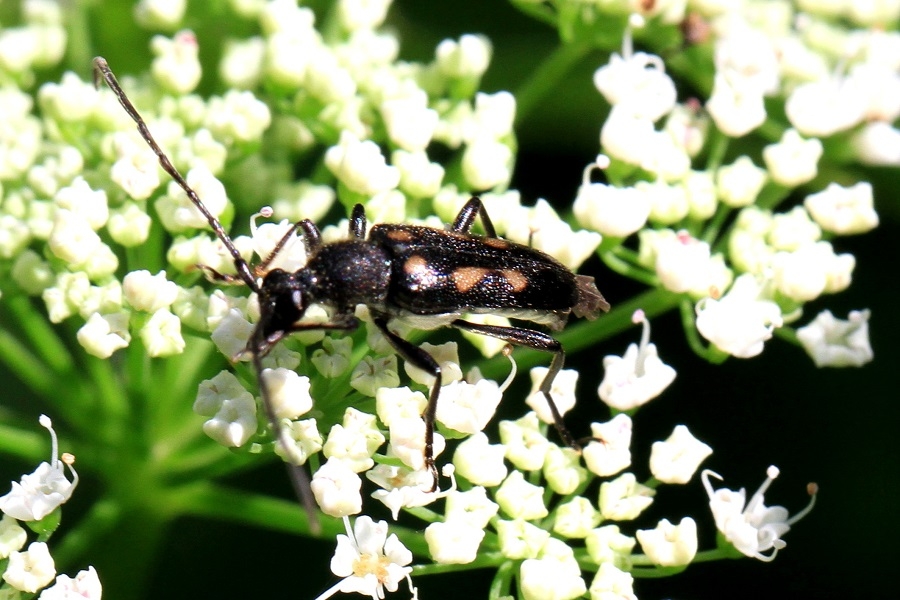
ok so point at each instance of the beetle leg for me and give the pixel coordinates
(519, 336)
(466, 218)
(421, 359)
(258, 346)
(358, 222)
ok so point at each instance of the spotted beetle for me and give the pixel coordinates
(425, 276)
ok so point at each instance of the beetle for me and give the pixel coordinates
(425, 276)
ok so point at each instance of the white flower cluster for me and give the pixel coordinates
(757, 275)
(36, 499)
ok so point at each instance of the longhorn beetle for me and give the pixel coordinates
(426, 276)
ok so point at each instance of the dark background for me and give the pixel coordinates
(834, 427)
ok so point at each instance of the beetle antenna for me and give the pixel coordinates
(101, 69)
(298, 476)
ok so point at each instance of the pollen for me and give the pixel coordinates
(371, 564)
(465, 278)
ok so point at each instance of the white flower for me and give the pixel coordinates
(562, 391)
(740, 182)
(355, 440)
(793, 230)
(754, 528)
(102, 335)
(79, 198)
(479, 461)
(410, 123)
(159, 14)
(298, 441)
(176, 66)
(419, 177)
(178, 213)
(825, 107)
(637, 82)
(843, 210)
(526, 446)
(447, 358)
(610, 583)
(43, 491)
(453, 542)
(623, 498)
(149, 293)
(234, 423)
(520, 499)
(371, 374)
(562, 470)
(487, 163)
(877, 143)
(369, 561)
(129, 225)
(333, 358)
(494, 114)
(12, 536)
(161, 334)
(85, 586)
(637, 377)
(676, 459)
(627, 137)
(402, 487)
(72, 238)
(520, 539)
(793, 160)
(408, 441)
(467, 407)
(362, 14)
(337, 488)
(685, 264)
(31, 570)
(609, 451)
(609, 544)
(466, 59)
(288, 392)
(472, 507)
(736, 105)
(670, 545)
(811, 270)
(242, 62)
(238, 116)
(741, 321)
(231, 332)
(611, 210)
(836, 343)
(360, 166)
(554, 575)
(575, 518)
(291, 256)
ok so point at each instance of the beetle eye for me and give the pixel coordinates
(297, 299)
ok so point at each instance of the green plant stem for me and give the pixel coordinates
(546, 77)
(98, 522)
(29, 445)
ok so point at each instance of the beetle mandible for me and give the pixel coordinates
(426, 276)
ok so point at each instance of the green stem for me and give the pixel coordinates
(619, 261)
(29, 445)
(484, 560)
(36, 374)
(546, 77)
(39, 333)
(102, 519)
(537, 11)
(502, 582)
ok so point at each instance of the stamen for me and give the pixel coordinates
(771, 473)
(265, 212)
(507, 352)
(640, 317)
(45, 421)
(813, 490)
